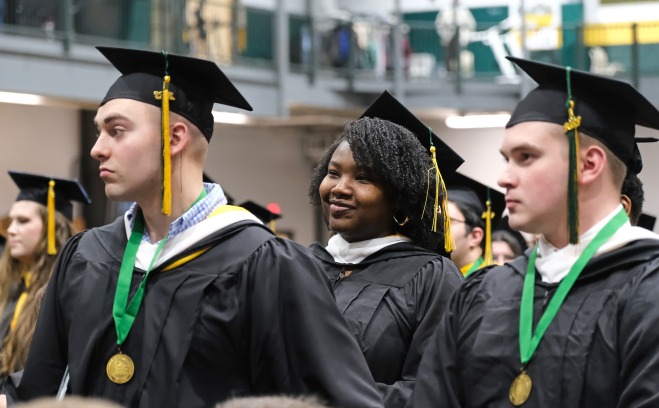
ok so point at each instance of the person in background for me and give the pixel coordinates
(632, 197)
(507, 244)
(184, 301)
(372, 185)
(474, 209)
(505, 247)
(273, 402)
(573, 322)
(37, 231)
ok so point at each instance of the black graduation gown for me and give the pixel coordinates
(9, 309)
(393, 301)
(601, 350)
(253, 315)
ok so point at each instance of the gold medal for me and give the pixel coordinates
(520, 389)
(120, 368)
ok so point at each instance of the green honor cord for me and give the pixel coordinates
(528, 342)
(123, 315)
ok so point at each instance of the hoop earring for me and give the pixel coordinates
(399, 223)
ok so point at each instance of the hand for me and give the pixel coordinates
(3, 401)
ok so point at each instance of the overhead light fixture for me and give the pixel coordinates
(498, 120)
(21, 98)
(230, 117)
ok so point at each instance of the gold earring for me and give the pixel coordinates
(399, 223)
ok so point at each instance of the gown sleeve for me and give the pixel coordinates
(438, 379)
(431, 292)
(298, 334)
(639, 341)
(47, 358)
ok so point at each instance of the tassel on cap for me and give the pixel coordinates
(52, 248)
(571, 130)
(488, 215)
(440, 205)
(165, 96)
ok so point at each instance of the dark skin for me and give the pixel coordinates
(354, 203)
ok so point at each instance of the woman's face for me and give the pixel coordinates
(24, 230)
(502, 252)
(355, 205)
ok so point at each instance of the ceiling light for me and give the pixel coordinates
(230, 117)
(478, 121)
(21, 98)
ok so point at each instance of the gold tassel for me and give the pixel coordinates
(488, 215)
(52, 248)
(165, 96)
(440, 190)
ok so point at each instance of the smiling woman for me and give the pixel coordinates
(375, 190)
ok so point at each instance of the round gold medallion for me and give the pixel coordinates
(520, 389)
(120, 368)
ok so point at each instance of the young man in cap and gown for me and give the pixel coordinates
(184, 301)
(574, 322)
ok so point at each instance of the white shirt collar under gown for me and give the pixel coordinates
(554, 264)
(189, 237)
(354, 252)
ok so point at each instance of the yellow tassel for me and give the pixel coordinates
(440, 190)
(52, 248)
(165, 97)
(488, 215)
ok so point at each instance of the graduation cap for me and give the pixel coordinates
(476, 197)
(187, 86)
(602, 107)
(55, 193)
(196, 84)
(445, 160)
(264, 214)
(646, 221)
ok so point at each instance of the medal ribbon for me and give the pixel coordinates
(527, 342)
(123, 315)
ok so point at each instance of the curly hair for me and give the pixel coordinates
(632, 187)
(17, 342)
(400, 164)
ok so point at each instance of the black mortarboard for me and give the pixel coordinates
(646, 221)
(187, 86)
(389, 108)
(55, 193)
(445, 160)
(609, 108)
(474, 196)
(602, 107)
(463, 189)
(260, 212)
(196, 84)
(34, 187)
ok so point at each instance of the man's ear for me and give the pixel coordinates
(593, 163)
(476, 236)
(179, 136)
(626, 203)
